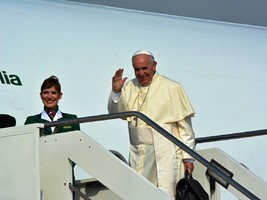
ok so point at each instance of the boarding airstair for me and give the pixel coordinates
(38, 167)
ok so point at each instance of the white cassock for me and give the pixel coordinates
(151, 154)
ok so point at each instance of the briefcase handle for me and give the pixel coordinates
(189, 176)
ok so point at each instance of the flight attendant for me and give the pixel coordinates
(50, 95)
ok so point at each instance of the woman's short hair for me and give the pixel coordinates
(50, 82)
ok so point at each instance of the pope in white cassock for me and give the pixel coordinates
(165, 102)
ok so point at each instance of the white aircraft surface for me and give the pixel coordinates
(221, 66)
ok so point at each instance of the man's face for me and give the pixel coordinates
(144, 68)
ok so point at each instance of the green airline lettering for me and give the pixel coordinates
(9, 79)
(14, 79)
(1, 78)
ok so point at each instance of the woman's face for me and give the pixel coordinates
(50, 97)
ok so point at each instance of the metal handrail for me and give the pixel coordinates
(74, 189)
(231, 136)
(166, 134)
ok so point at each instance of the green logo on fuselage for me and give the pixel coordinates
(9, 79)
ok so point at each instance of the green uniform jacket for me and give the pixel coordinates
(59, 129)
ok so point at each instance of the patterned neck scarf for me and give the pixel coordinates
(51, 113)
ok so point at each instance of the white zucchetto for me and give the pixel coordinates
(143, 51)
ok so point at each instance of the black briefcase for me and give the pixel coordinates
(190, 189)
